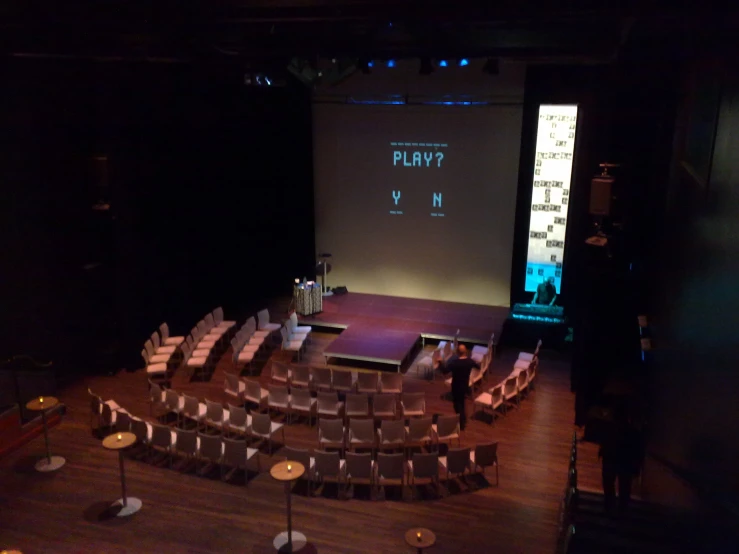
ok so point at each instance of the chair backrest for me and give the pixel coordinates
(202, 329)
(210, 322)
(122, 421)
(331, 430)
(211, 447)
(231, 382)
(149, 347)
(161, 435)
(187, 441)
(522, 379)
(491, 342)
(328, 402)
(218, 315)
(261, 424)
(234, 452)
(486, 454)
(359, 466)
(538, 347)
(192, 406)
(458, 459)
(253, 390)
(301, 398)
(300, 376)
(263, 317)
(327, 463)
(279, 371)
(278, 394)
(145, 356)
(446, 425)
(301, 455)
(393, 430)
(367, 381)
(362, 429)
(447, 352)
(341, 379)
(391, 382)
(385, 404)
(497, 393)
(213, 411)
(139, 428)
(172, 399)
(357, 403)
(236, 416)
(419, 428)
(321, 376)
(283, 332)
(390, 466)
(186, 348)
(95, 402)
(426, 464)
(249, 326)
(155, 340)
(155, 391)
(107, 415)
(164, 331)
(414, 402)
(510, 385)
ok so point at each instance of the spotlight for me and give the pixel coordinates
(391, 63)
(491, 66)
(427, 68)
(370, 64)
(443, 63)
(463, 62)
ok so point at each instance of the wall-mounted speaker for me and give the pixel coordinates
(601, 193)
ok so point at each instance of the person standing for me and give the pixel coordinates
(460, 366)
(546, 293)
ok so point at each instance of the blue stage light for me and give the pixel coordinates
(463, 62)
(443, 63)
(370, 64)
(391, 63)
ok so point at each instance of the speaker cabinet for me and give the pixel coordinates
(601, 188)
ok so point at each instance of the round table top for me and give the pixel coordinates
(427, 537)
(279, 471)
(11, 552)
(42, 403)
(112, 442)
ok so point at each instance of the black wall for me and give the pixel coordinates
(210, 186)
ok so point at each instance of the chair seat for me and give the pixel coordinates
(247, 356)
(249, 348)
(206, 344)
(521, 364)
(226, 324)
(202, 410)
(477, 356)
(426, 362)
(486, 399)
(198, 361)
(166, 350)
(302, 329)
(443, 437)
(174, 341)
(526, 356)
(414, 413)
(479, 349)
(298, 336)
(261, 334)
(271, 327)
(159, 358)
(201, 353)
(156, 369)
(292, 345)
(217, 331)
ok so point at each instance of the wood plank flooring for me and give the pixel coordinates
(182, 512)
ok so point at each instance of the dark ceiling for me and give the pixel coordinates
(263, 30)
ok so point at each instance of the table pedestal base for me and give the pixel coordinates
(280, 542)
(44, 464)
(132, 506)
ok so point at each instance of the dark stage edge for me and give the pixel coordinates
(386, 329)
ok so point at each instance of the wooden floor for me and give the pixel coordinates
(182, 512)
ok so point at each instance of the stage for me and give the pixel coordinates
(386, 330)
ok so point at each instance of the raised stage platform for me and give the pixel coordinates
(386, 329)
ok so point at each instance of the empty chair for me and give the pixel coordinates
(329, 405)
(362, 434)
(157, 397)
(210, 451)
(186, 444)
(160, 348)
(331, 434)
(123, 422)
(413, 404)
(301, 402)
(424, 466)
(279, 399)
(360, 468)
(280, 372)
(391, 383)
(256, 394)
(110, 416)
(446, 429)
(154, 370)
(329, 466)
(341, 381)
(239, 421)
(194, 410)
(529, 356)
(479, 351)
(531, 374)
(264, 323)
(162, 438)
(356, 405)
(485, 455)
(219, 321)
(241, 358)
(236, 455)
(490, 400)
(263, 427)
(510, 390)
(216, 416)
(142, 430)
(456, 462)
(367, 382)
(390, 468)
(175, 402)
(300, 376)
(391, 434)
(419, 432)
(290, 344)
(168, 340)
(384, 406)
(299, 329)
(255, 331)
(321, 378)
(234, 387)
(293, 333)
(154, 357)
(301, 455)
(522, 384)
(194, 363)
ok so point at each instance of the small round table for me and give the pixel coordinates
(119, 441)
(288, 541)
(42, 404)
(420, 538)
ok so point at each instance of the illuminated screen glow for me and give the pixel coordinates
(550, 194)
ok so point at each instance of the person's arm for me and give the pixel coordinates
(536, 295)
(553, 299)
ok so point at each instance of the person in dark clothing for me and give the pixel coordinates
(621, 455)
(460, 366)
(546, 293)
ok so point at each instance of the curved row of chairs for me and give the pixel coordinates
(301, 402)
(566, 528)
(513, 388)
(252, 338)
(326, 379)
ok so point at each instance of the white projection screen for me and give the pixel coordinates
(418, 201)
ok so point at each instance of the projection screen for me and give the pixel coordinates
(418, 201)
